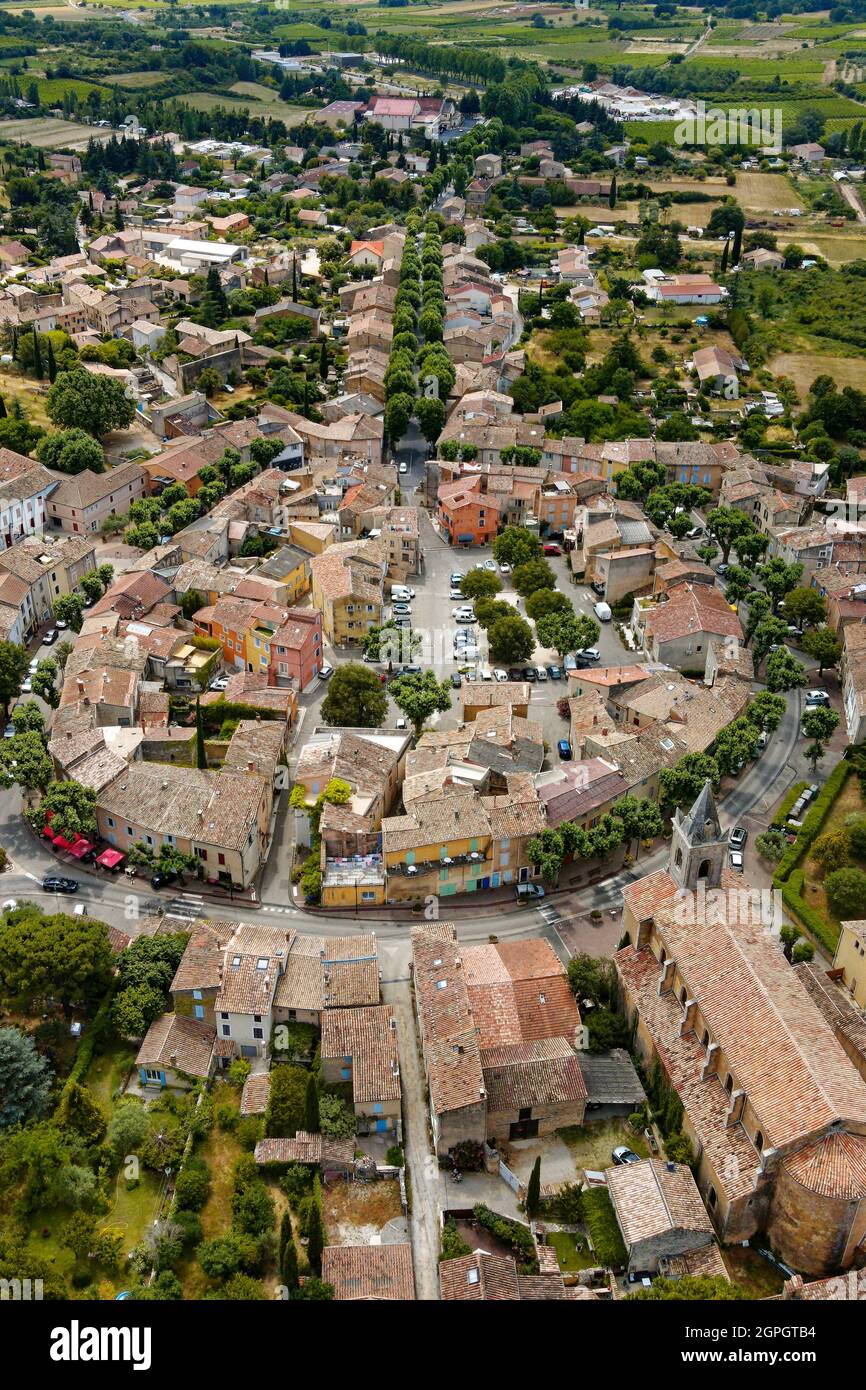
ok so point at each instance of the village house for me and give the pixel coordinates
(348, 589)
(83, 501)
(359, 1047)
(659, 1211)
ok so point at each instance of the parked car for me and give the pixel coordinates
(325, 672)
(456, 680)
(763, 740)
(597, 586)
(622, 1154)
(499, 674)
(541, 674)
(816, 697)
(9, 731)
(404, 609)
(552, 549)
(529, 674)
(589, 653)
(738, 837)
(455, 596)
(515, 673)
(401, 722)
(404, 467)
(27, 686)
(79, 910)
(50, 637)
(504, 568)
(602, 612)
(61, 625)
(485, 673)
(159, 880)
(694, 533)
(555, 673)
(570, 663)
(563, 748)
(10, 904)
(527, 891)
(722, 569)
(221, 683)
(410, 670)
(456, 579)
(735, 857)
(34, 663)
(53, 884)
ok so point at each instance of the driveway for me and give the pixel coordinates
(557, 1163)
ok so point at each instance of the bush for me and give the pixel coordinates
(791, 795)
(511, 1233)
(679, 1149)
(248, 1132)
(846, 892)
(603, 1229)
(467, 1156)
(192, 1186)
(567, 1205)
(286, 1101)
(792, 897)
(297, 1183)
(453, 1245)
(227, 1117)
(336, 1120)
(395, 1156)
(190, 1226)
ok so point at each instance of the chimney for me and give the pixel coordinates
(251, 767)
(711, 1061)
(80, 684)
(104, 630)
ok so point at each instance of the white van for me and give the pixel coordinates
(402, 593)
(602, 612)
(485, 673)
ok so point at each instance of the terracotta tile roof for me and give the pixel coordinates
(254, 1097)
(479, 1278)
(650, 1201)
(691, 609)
(369, 1273)
(183, 1044)
(368, 1036)
(201, 963)
(834, 1166)
(307, 1148)
(523, 1075)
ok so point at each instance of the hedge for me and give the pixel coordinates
(87, 1046)
(812, 823)
(815, 924)
(601, 1222)
(511, 1233)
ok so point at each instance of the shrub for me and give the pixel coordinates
(395, 1156)
(297, 1183)
(603, 1229)
(286, 1101)
(468, 1156)
(679, 1149)
(453, 1245)
(248, 1132)
(337, 1121)
(815, 924)
(846, 892)
(511, 1233)
(226, 1117)
(567, 1205)
(192, 1186)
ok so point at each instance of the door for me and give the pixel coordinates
(523, 1129)
(485, 883)
(381, 1126)
(248, 1051)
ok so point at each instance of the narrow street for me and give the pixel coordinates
(421, 1164)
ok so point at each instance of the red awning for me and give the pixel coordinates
(61, 843)
(110, 858)
(80, 848)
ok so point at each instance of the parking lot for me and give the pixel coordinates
(433, 619)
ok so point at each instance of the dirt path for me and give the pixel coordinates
(420, 1162)
(852, 197)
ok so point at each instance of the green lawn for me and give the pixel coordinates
(108, 1071)
(752, 1273)
(570, 1257)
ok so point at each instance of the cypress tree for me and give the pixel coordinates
(738, 242)
(52, 365)
(295, 279)
(311, 1106)
(533, 1190)
(315, 1239)
(725, 256)
(38, 368)
(611, 197)
(323, 360)
(289, 1262)
(2, 409)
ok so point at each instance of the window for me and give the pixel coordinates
(729, 1083)
(257, 1018)
(258, 1033)
(759, 1141)
(221, 858)
(223, 1015)
(196, 994)
(712, 1198)
(227, 1032)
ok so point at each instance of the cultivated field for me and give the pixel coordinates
(243, 101)
(51, 133)
(803, 367)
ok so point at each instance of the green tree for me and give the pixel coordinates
(13, 668)
(44, 682)
(846, 893)
(727, 526)
(82, 400)
(566, 632)
(311, 1106)
(779, 579)
(430, 414)
(533, 1189)
(510, 641)
(72, 807)
(80, 1111)
(771, 845)
(515, 545)
(28, 718)
(805, 606)
(419, 696)
(819, 725)
(545, 601)
(25, 763)
(679, 785)
(823, 645)
(480, 583)
(533, 575)
(734, 745)
(766, 711)
(71, 451)
(200, 749)
(784, 672)
(25, 1079)
(355, 698)
(288, 1263)
(315, 1239)
(69, 609)
(68, 957)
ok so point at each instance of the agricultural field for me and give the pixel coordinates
(135, 81)
(51, 133)
(244, 101)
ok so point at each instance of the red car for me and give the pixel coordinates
(552, 549)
